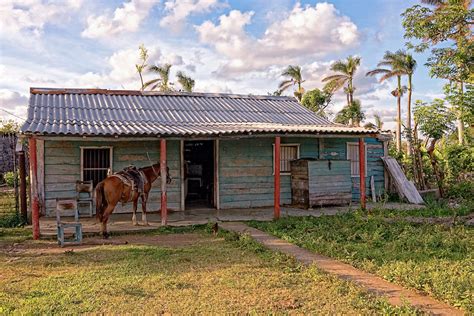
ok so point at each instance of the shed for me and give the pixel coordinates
(222, 150)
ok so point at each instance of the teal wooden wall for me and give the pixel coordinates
(336, 148)
(62, 169)
(246, 168)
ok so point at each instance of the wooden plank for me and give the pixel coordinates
(216, 174)
(404, 187)
(182, 199)
(372, 189)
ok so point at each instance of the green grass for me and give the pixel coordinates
(432, 209)
(433, 259)
(226, 274)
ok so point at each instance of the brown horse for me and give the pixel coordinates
(112, 190)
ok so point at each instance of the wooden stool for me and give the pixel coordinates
(63, 205)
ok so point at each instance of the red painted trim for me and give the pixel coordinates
(276, 202)
(164, 208)
(34, 188)
(362, 173)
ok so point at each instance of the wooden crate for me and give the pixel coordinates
(320, 182)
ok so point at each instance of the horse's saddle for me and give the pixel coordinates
(133, 177)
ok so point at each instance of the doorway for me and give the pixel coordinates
(199, 174)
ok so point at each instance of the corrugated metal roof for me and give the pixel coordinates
(118, 112)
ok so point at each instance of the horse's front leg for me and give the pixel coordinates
(134, 216)
(144, 199)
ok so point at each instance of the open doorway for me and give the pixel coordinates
(199, 174)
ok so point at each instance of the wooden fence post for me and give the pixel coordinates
(362, 172)
(34, 188)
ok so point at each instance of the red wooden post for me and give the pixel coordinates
(276, 177)
(34, 188)
(163, 172)
(362, 172)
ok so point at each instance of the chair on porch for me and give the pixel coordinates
(63, 206)
(84, 194)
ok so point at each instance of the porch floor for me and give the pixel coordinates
(122, 223)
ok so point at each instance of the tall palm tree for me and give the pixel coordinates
(162, 82)
(394, 62)
(346, 70)
(408, 66)
(187, 83)
(294, 78)
(378, 121)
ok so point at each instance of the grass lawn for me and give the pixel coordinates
(225, 274)
(433, 259)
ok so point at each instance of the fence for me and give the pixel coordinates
(9, 204)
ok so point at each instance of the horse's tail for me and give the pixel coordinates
(100, 202)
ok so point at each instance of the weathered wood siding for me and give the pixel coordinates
(321, 182)
(336, 148)
(62, 169)
(246, 171)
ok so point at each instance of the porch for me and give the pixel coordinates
(122, 224)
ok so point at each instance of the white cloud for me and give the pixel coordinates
(126, 18)
(14, 103)
(178, 11)
(28, 18)
(305, 32)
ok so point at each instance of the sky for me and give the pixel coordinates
(227, 46)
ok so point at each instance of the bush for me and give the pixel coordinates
(10, 178)
(459, 161)
(11, 220)
(462, 190)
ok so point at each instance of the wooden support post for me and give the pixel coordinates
(217, 203)
(164, 209)
(276, 177)
(34, 188)
(362, 172)
(182, 184)
(23, 206)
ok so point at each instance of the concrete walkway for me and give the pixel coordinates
(395, 294)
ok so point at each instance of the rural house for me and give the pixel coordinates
(220, 148)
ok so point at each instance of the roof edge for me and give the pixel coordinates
(39, 90)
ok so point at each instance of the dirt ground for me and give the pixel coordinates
(47, 247)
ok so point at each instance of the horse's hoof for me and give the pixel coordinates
(105, 235)
(146, 224)
(135, 224)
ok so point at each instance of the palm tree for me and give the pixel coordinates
(351, 114)
(187, 83)
(378, 121)
(346, 70)
(162, 82)
(409, 66)
(142, 66)
(395, 63)
(295, 78)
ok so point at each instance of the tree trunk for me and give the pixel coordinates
(409, 148)
(460, 120)
(439, 175)
(399, 116)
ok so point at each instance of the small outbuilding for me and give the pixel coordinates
(223, 151)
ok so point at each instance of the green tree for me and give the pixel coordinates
(434, 121)
(187, 83)
(9, 126)
(445, 26)
(395, 63)
(294, 78)
(162, 82)
(345, 70)
(351, 115)
(142, 66)
(317, 100)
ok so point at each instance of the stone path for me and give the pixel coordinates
(395, 294)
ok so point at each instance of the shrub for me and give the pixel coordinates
(10, 178)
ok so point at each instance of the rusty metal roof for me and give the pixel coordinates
(100, 112)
